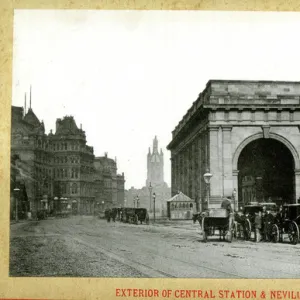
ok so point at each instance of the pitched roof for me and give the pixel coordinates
(67, 126)
(180, 197)
(31, 118)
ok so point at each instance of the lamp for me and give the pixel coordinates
(154, 196)
(233, 198)
(207, 176)
(150, 190)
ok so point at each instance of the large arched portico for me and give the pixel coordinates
(265, 169)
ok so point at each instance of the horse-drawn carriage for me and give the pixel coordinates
(111, 214)
(42, 214)
(246, 221)
(218, 219)
(134, 215)
(287, 222)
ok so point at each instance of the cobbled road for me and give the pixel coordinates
(83, 246)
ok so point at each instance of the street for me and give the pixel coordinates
(83, 246)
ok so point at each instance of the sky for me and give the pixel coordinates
(127, 76)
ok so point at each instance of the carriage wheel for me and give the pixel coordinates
(204, 233)
(293, 233)
(247, 230)
(275, 233)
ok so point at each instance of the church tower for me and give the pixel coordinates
(155, 165)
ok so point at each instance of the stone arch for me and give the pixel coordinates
(274, 136)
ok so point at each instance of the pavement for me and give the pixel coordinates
(90, 247)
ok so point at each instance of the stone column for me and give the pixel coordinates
(227, 160)
(188, 170)
(180, 188)
(216, 180)
(173, 174)
(297, 185)
(185, 177)
(235, 174)
(199, 174)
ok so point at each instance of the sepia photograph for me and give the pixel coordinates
(155, 144)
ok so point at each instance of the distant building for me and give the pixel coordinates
(59, 170)
(155, 178)
(248, 189)
(109, 184)
(155, 166)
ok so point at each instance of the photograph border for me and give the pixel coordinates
(103, 288)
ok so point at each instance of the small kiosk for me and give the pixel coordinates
(180, 207)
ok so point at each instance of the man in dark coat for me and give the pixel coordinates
(268, 222)
(226, 204)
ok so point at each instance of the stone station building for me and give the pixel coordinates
(239, 130)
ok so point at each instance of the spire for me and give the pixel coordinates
(25, 105)
(155, 145)
(30, 98)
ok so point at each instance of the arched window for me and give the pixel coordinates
(191, 205)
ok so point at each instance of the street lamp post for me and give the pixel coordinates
(207, 176)
(56, 204)
(134, 202)
(150, 190)
(102, 205)
(16, 190)
(233, 198)
(125, 202)
(137, 201)
(154, 196)
(74, 210)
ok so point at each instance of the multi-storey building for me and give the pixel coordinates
(59, 170)
(110, 188)
(32, 163)
(73, 165)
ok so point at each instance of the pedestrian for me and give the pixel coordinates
(263, 222)
(258, 226)
(279, 220)
(268, 222)
(226, 204)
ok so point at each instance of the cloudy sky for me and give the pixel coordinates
(127, 76)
